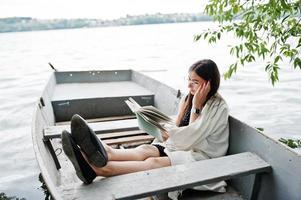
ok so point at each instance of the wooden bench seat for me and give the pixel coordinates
(102, 119)
(157, 181)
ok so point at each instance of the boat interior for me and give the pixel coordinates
(98, 96)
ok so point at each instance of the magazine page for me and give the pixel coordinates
(150, 119)
(149, 127)
(134, 107)
(157, 116)
(153, 110)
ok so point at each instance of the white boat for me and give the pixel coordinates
(257, 166)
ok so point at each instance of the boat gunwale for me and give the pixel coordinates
(44, 172)
(267, 136)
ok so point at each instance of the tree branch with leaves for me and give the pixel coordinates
(269, 29)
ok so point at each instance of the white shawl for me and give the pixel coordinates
(205, 138)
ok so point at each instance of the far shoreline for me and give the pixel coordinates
(26, 24)
(62, 29)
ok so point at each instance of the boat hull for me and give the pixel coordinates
(68, 93)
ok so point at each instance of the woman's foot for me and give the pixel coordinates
(83, 170)
(89, 143)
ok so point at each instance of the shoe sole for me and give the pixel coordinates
(83, 137)
(68, 149)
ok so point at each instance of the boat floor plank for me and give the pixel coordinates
(121, 134)
(98, 127)
(191, 194)
(131, 139)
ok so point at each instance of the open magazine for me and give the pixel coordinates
(150, 119)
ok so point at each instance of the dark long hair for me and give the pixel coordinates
(207, 70)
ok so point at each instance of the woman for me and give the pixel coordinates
(201, 133)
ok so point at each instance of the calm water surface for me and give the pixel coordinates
(170, 47)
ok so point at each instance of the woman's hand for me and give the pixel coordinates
(165, 135)
(200, 95)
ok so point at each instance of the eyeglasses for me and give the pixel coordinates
(194, 82)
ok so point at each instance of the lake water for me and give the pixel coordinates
(167, 48)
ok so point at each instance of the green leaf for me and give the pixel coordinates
(232, 50)
(285, 18)
(232, 69)
(260, 129)
(292, 143)
(237, 51)
(277, 59)
(197, 37)
(242, 61)
(299, 43)
(297, 63)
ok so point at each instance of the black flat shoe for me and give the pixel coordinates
(89, 143)
(83, 170)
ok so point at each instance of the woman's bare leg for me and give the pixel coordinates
(124, 167)
(139, 153)
(124, 161)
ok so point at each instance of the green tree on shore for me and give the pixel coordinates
(268, 29)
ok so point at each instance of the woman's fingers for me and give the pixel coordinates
(199, 90)
(203, 88)
(208, 87)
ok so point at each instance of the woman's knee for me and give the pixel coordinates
(148, 149)
(144, 147)
(157, 162)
